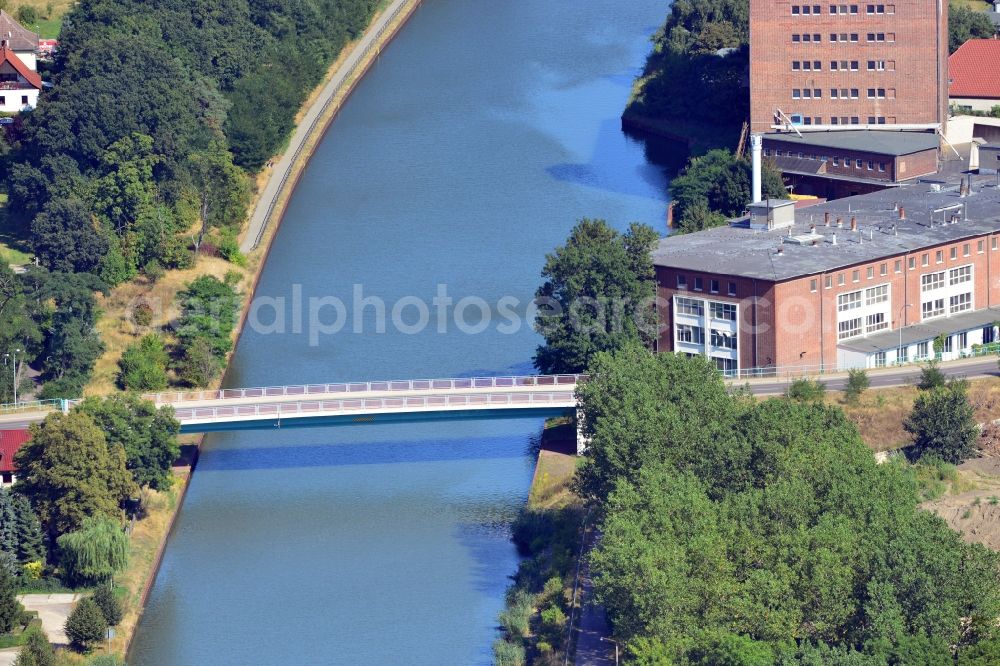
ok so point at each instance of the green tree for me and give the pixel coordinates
(127, 188)
(37, 650)
(11, 609)
(931, 377)
(110, 605)
(30, 539)
(222, 189)
(66, 237)
(27, 15)
(716, 186)
(208, 312)
(943, 424)
(147, 434)
(8, 524)
(85, 625)
(143, 365)
(95, 552)
(857, 383)
(597, 296)
(965, 24)
(70, 473)
(199, 366)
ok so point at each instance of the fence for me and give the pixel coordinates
(400, 404)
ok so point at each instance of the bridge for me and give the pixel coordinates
(345, 403)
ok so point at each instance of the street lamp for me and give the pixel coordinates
(13, 356)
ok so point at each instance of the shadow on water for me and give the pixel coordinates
(361, 453)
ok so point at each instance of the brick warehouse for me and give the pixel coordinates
(864, 281)
(830, 65)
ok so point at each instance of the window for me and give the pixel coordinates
(691, 334)
(960, 275)
(836, 160)
(947, 345)
(924, 259)
(881, 167)
(883, 269)
(726, 366)
(848, 301)
(989, 335)
(875, 322)
(724, 311)
(855, 276)
(954, 253)
(24, 100)
(931, 281)
(993, 243)
(965, 250)
(879, 294)
(870, 273)
(827, 282)
(723, 339)
(871, 165)
(849, 329)
(980, 246)
(939, 257)
(934, 308)
(901, 354)
(795, 38)
(858, 163)
(897, 266)
(732, 288)
(813, 285)
(963, 340)
(714, 284)
(682, 282)
(880, 359)
(840, 280)
(3, 99)
(796, 93)
(960, 302)
(690, 306)
(912, 263)
(698, 284)
(922, 350)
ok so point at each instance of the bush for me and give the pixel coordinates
(142, 314)
(199, 366)
(806, 390)
(229, 249)
(943, 425)
(111, 607)
(27, 15)
(931, 377)
(85, 625)
(36, 651)
(105, 660)
(516, 618)
(857, 383)
(143, 365)
(506, 653)
(153, 270)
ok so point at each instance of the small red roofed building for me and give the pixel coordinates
(974, 75)
(19, 79)
(47, 47)
(10, 443)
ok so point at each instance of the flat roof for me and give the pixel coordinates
(925, 330)
(883, 142)
(737, 250)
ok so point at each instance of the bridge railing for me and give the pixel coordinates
(359, 405)
(31, 406)
(387, 386)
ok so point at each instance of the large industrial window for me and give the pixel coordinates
(960, 275)
(931, 281)
(848, 301)
(725, 311)
(849, 329)
(690, 306)
(691, 334)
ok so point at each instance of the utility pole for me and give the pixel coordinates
(13, 356)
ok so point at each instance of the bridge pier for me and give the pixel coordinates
(582, 441)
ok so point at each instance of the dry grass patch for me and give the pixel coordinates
(551, 487)
(117, 328)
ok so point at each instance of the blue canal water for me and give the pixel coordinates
(485, 131)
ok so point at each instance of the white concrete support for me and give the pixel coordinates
(756, 147)
(582, 441)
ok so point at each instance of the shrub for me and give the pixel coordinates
(229, 249)
(506, 653)
(36, 651)
(111, 607)
(11, 609)
(27, 15)
(105, 660)
(199, 366)
(153, 270)
(85, 625)
(931, 377)
(516, 618)
(806, 390)
(33, 570)
(143, 365)
(857, 383)
(943, 425)
(142, 314)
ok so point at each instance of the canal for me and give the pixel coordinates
(485, 131)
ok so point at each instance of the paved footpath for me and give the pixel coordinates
(593, 625)
(261, 213)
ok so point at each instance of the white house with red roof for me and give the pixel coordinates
(19, 79)
(974, 75)
(10, 442)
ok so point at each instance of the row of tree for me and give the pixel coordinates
(741, 532)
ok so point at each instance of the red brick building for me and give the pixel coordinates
(860, 282)
(830, 65)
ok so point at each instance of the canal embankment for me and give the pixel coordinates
(149, 537)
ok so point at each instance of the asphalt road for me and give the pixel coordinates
(888, 377)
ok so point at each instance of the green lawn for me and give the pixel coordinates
(13, 241)
(46, 28)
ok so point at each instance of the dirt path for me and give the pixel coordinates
(312, 124)
(975, 513)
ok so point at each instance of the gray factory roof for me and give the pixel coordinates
(740, 251)
(883, 142)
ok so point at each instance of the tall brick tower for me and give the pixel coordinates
(866, 65)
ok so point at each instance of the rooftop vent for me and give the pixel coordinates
(772, 214)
